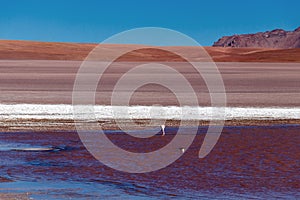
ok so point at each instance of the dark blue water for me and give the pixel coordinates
(253, 162)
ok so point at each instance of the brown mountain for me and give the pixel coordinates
(277, 38)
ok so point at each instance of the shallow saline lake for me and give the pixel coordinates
(248, 162)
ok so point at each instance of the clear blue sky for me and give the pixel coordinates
(94, 21)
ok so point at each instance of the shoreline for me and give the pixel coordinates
(46, 125)
(60, 117)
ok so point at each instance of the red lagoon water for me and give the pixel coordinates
(248, 162)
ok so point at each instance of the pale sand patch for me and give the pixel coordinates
(246, 84)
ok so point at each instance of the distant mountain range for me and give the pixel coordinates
(277, 38)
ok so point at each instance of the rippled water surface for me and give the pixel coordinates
(253, 162)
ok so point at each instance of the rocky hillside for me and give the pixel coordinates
(277, 38)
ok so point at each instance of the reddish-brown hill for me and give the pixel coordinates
(25, 50)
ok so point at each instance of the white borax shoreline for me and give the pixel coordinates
(65, 112)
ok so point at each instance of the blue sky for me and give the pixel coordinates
(94, 21)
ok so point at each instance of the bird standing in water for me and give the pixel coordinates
(182, 149)
(163, 129)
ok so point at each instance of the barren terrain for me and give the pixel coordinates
(35, 72)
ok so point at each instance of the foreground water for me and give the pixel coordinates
(248, 162)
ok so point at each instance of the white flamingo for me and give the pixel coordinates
(163, 129)
(182, 149)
